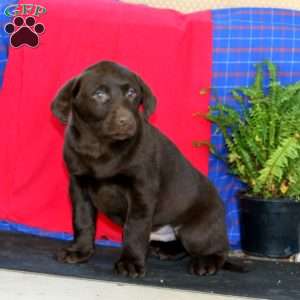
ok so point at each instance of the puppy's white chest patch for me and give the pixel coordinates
(164, 234)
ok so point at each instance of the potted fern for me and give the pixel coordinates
(263, 143)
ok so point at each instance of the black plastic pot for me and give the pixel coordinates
(269, 227)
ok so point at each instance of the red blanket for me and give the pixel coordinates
(171, 51)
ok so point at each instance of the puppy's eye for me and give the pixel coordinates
(101, 96)
(131, 94)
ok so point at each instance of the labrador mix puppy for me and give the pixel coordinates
(121, 165)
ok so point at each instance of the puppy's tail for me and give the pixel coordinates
(235, 267)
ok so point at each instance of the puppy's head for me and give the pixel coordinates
(107, 95)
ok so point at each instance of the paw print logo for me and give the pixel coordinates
(24, 32)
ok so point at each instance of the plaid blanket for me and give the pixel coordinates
(243, 37)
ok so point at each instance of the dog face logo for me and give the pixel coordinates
(24, 30)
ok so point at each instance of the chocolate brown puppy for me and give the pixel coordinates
(121, 165)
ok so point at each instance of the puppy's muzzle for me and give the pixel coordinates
(125, 124)
(124, 121)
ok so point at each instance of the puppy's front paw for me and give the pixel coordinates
(72, 256)
(130, 267)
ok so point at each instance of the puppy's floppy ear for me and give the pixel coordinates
(61, 106)
(147, 99)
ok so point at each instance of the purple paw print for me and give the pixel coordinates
(24, 33)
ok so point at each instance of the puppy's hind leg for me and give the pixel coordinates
(205, 239)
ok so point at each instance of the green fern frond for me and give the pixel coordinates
(287, 151)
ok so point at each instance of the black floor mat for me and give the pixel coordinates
(268, 280)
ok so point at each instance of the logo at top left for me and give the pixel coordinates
(24, 29)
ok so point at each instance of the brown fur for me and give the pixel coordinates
(121, 165)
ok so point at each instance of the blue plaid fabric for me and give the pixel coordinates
(243, 37)
(4, 37)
